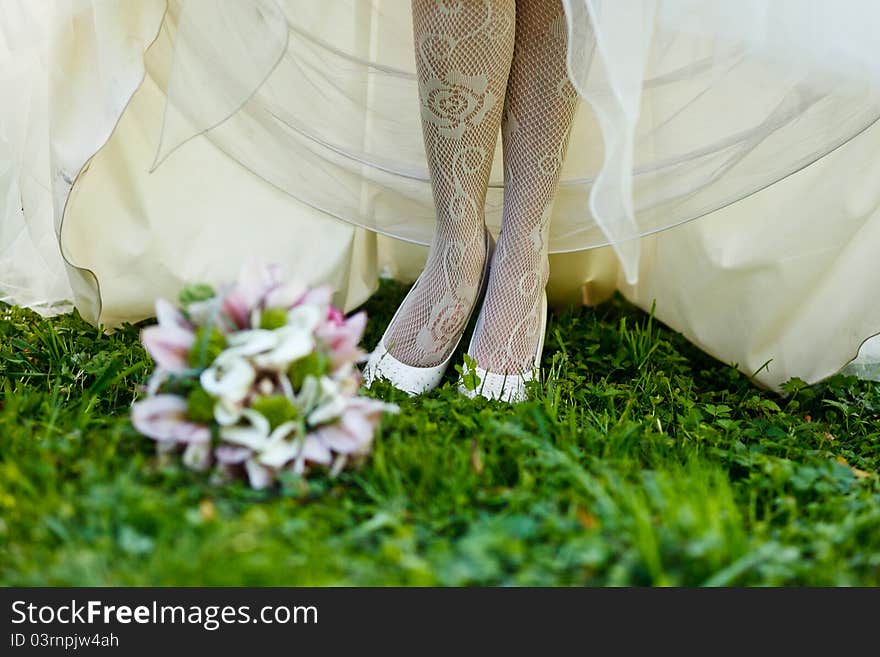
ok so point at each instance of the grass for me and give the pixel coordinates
(641, 461)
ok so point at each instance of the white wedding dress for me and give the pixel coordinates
(146, 143)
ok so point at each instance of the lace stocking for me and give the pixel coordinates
(539, 108)
(463, 54)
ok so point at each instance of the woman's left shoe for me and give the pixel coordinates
(509, 388)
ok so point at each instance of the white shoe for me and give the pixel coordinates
(416, 380)
(509, 388)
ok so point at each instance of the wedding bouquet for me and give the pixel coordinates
(258, 377)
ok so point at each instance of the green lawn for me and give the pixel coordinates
(640, 461)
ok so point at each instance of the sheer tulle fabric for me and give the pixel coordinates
(697, 103)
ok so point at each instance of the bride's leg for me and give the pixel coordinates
(540, 104)
(463, 54)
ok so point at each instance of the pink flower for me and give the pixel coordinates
(287, 295)
(343, 337)
(335, 316)
(319, 296)
(313, 450)
(232, 454)
(235, 307)
(170, 341)
(353, 433)
(163, 418)
(255, 281)
(261, 286)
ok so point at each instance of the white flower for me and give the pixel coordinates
(259, 476)
(227, 413)
(354, 430)
(197, 456)
(229, 378)
(279, 447)
(263, 453)
(322, 400)
(250, 343)
(277, 349)
(292, 343)
(305, 317)
(254, 435)
(330, 408)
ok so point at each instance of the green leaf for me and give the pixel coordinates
(210, 342)
(468, 373)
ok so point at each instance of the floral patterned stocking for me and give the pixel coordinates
(539, 109)
(463, 55)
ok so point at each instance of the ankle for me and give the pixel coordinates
(516, 254)
(458, 250)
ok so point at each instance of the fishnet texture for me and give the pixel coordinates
(540, 105)
(463, 55)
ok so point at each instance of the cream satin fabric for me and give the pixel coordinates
(67, 70)
(786, 276)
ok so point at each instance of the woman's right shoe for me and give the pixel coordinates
(416, 380)
(510, 388)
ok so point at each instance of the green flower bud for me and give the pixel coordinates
(196, 292)
(277, 409)
(273, 318)
(200, 406)
(316, 364)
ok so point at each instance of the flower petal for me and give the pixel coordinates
(232, 455)
(315, 451)
(255, 280)
(226, 413)
(250, 343)
(254, 436)
(285, 295)
(280, 448)
(258, 475)
(169, 316)
(359, 425)
(169, 346)
(163, 418)
(229, 378)
(309, 393)
(336, 438)
(305, 317)
(293, 344)
(236, 308)
(343, 338)
(319, 296)
(197, 456)
(331, 403)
